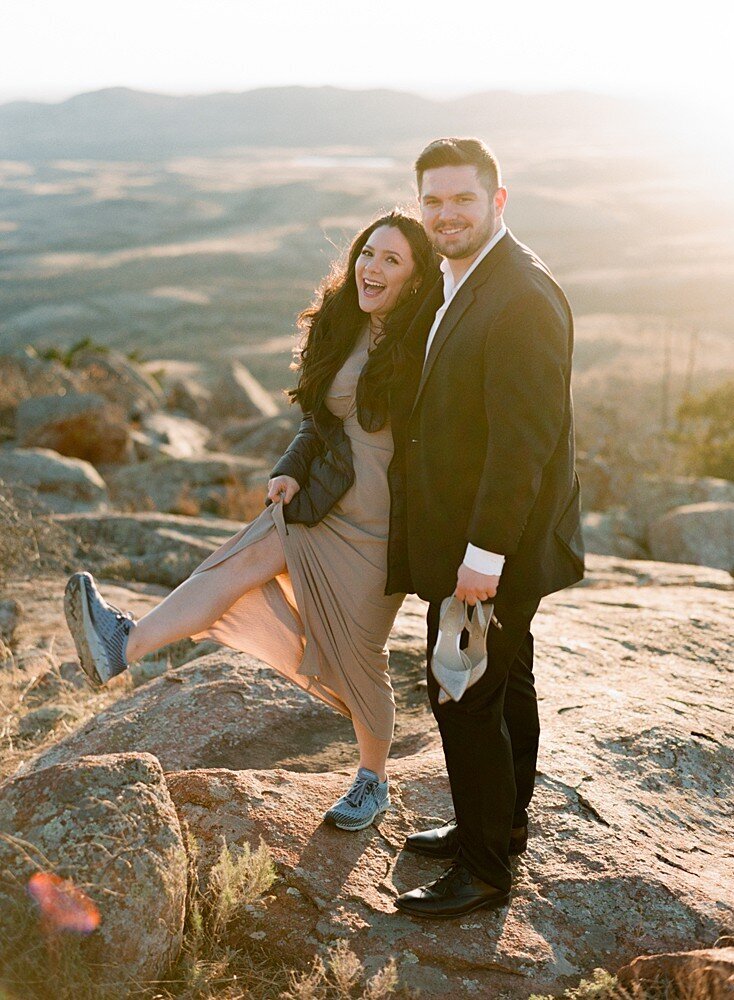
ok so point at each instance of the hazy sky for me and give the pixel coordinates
(53, 50)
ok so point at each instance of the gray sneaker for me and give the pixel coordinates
(100, 630)
(364, 802)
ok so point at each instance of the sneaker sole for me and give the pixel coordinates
(78, 618)
(330, 821)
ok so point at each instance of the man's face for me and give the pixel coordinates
(458, 213)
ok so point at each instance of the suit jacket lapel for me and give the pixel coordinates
(458, 306)
(417, 333)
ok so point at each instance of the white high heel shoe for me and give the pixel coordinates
(477, 625)
(449, 664)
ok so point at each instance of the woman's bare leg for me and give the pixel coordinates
(372, 752)
(203, 598)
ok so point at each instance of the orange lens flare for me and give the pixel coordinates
(63, 906)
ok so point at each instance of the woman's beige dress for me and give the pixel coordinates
(325, 623)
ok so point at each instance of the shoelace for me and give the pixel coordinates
(122, 615)
(360, 790)
(127, 619)
(455, 870)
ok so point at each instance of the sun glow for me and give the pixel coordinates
(629, 48)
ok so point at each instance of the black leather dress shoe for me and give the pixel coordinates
(443, 842)
(453, 894)
(518, 840)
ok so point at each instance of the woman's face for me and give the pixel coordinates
(383, 269)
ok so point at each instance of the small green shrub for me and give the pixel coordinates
(235, 882)
(603, 986)
(66, 357)
(705, 435)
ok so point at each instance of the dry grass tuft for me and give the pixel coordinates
(604, 986)
(344, 977)
(30, 541)
(57, 706)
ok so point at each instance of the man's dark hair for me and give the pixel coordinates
(461, 153)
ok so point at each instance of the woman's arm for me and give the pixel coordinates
(300, 453)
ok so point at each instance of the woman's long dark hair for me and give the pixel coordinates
(331, 325)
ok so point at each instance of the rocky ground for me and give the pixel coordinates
(137, 473)
(630, 850)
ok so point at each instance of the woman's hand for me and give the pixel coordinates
(282, 488)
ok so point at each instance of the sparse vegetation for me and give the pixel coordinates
(705, 434)
(30, 540)
(22, 695)
(341, 977)
(39, 967)
(604, 986)
(218, 961)
(66, 356)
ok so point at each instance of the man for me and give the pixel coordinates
(489, 505)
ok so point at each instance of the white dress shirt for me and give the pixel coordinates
(480, 560)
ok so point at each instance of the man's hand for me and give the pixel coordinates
(282, 488)
(474, 587)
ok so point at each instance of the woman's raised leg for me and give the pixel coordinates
(204, 597)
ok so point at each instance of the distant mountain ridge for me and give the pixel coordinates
(121, 123)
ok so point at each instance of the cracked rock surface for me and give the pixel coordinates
(630, 849)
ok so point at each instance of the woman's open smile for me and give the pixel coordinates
(382, 270)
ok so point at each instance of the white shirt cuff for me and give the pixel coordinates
(482, 561)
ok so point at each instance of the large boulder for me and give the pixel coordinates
(607, 533)
(189, 397)
(266, 439)
(150, 548)
(650, 497)
(120, 380)
(208, 484)
(63, 484)
(80, 425)
(225, 709)
(107, 824)
(238, 394)
(171, 435)
(701, 533)
(24, 375)
(707, 972)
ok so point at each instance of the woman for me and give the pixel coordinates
(303, 586)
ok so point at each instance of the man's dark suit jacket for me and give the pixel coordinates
(484, 438)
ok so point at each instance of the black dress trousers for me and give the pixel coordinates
(490, 741)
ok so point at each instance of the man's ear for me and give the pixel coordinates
(500, 200)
